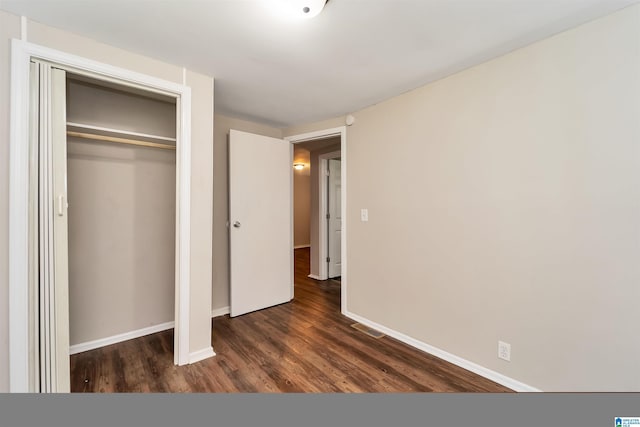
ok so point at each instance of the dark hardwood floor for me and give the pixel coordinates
(302, 346)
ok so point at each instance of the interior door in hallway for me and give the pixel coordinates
(260, 217)
(335, 218)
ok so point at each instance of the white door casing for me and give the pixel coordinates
(334, 202)
(260, 222)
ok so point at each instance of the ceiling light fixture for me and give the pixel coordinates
(298, 9)
(298, 166)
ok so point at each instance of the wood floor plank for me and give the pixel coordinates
(302, 346)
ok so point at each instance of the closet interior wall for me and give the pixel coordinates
(121, 212)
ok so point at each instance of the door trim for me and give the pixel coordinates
(322, 134)
(19, 303)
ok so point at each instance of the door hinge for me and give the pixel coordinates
(328, 216)
(328, 259)
(327, 172)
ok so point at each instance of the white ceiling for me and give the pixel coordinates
(354, 54)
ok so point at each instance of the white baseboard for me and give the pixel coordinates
(91, 345)
(301, 246)
(220, 311)
(199, 355)
(451, 358)
(193, 357)
(315, 277)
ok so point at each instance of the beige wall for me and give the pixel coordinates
(222, 124)
(202, 179)
(504, 205)
(119, 108)
(202, 187)
(311, 127)
(301, 206)
(301, 198)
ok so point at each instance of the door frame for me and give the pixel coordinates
(323, 134)
(323, 227)
(20, 360)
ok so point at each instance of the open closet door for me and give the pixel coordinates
(260, 214)
(50, 156)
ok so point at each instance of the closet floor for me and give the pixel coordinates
(302, 346)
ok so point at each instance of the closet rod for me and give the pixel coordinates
(120, 140)
(122, 133)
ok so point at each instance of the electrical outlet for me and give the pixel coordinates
(504, 351)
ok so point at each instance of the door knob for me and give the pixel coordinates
(237, 224)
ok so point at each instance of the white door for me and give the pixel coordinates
(335, 218)
(260, 217)
(53, 276)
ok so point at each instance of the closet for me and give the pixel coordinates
(121, 166)
(102, 250)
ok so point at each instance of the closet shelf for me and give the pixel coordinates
(118, 136)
